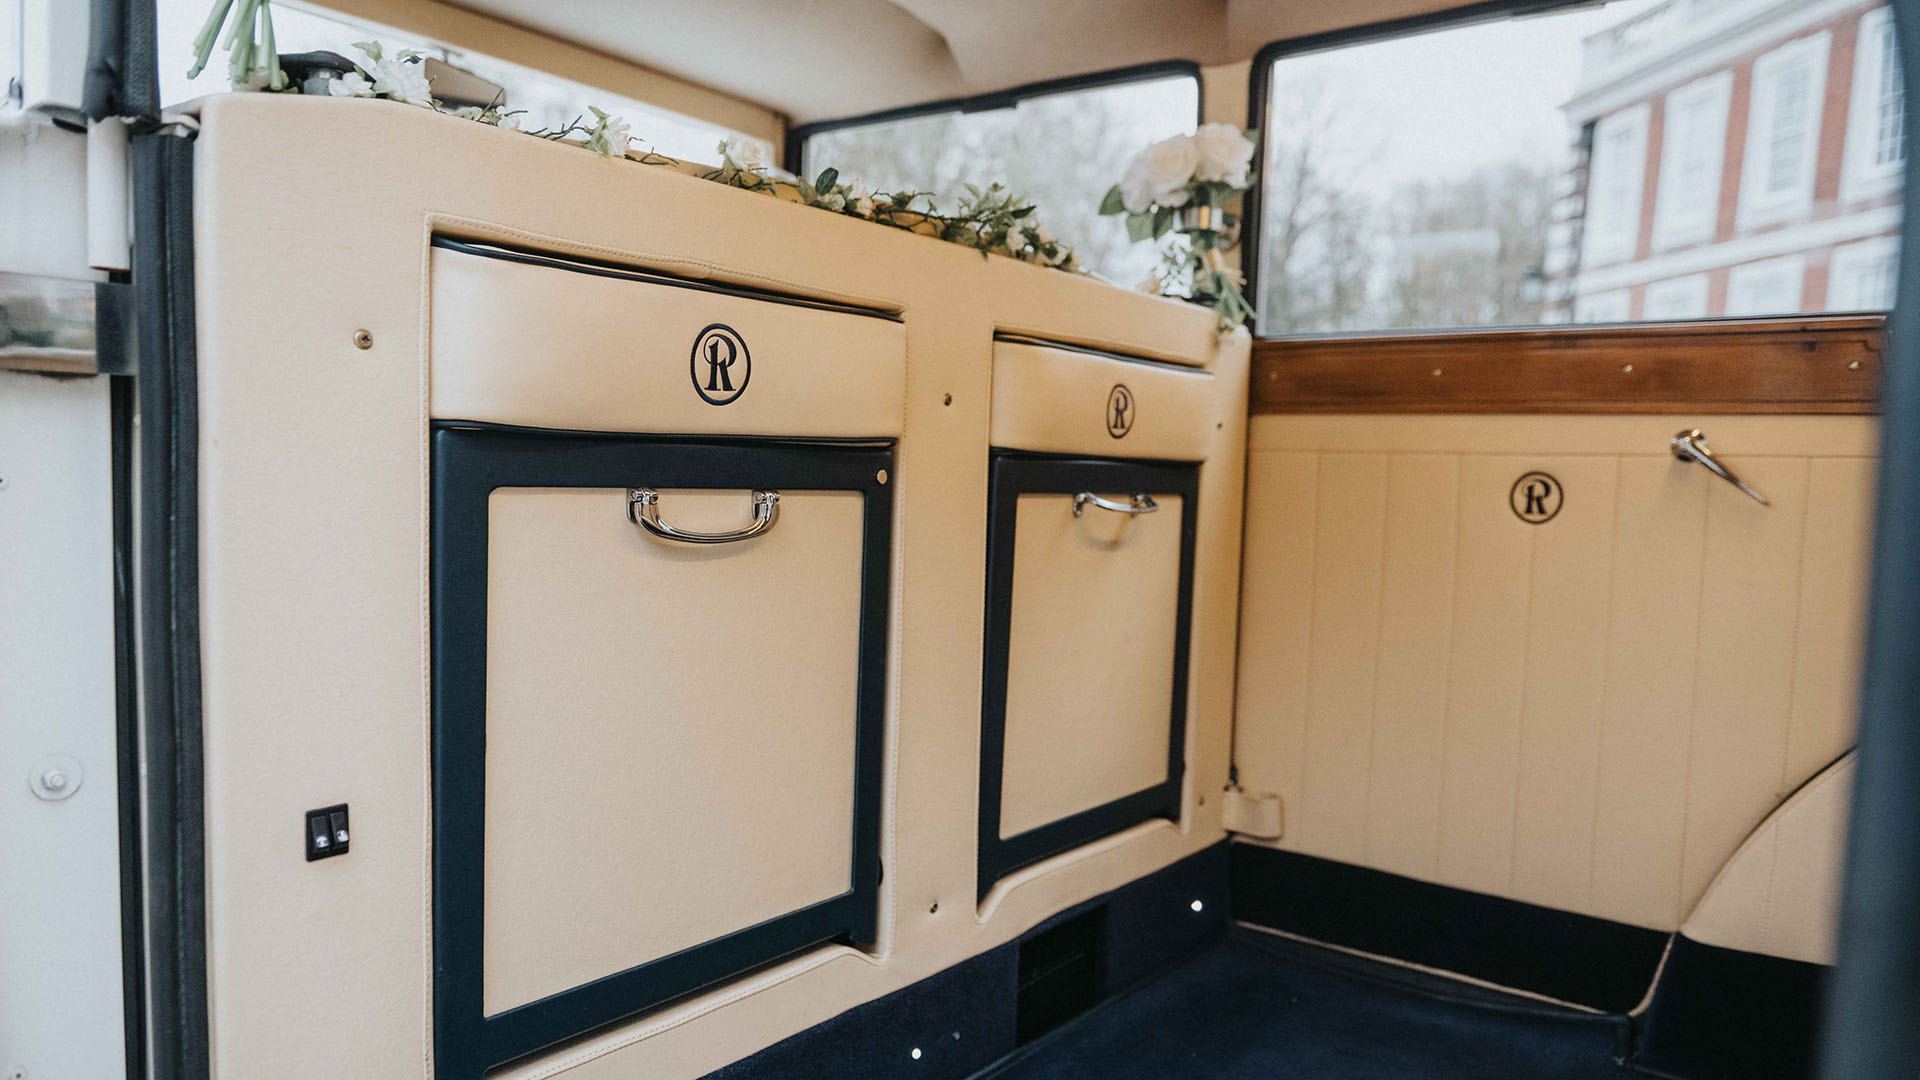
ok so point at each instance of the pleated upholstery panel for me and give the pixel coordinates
(1589, 714)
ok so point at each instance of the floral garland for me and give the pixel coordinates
(993, 220)
(1184, 184)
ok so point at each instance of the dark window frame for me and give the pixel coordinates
(797, 136)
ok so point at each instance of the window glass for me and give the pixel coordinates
(1062, 151)
(548, 101)
(1637, 160)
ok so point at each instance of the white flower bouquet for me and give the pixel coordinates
(1183, 184)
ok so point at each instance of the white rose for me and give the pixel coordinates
(860, 197)
(1167, 167)
(749, 154)
(403, 82)
(352, 84)
(618, 135)
(1136, 191)
(1225, 153)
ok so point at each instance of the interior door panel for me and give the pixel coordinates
(1588, 713)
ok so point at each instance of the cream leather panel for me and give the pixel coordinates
(1589, 714)
(314, 559)
(546, 347)
(1089, 657)
(1056, 401)
(1780, 893)
(669, 753)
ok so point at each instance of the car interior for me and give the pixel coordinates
(1228, 540)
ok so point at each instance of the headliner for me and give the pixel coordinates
(825, 59)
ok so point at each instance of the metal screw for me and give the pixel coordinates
(1854, 366)
(933, 908)
(916, 1053)
(1436, 373)
(54, 778)
(362, 339)
(946, 399)
(881, 476)
(1627, 370)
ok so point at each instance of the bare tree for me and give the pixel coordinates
(1061, 151)
(1316, 254)
(1469, 252)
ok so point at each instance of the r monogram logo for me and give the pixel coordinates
(1535, 498)
(1119, 410)
(720, 365)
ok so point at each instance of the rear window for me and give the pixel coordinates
(1638, 161)
(1060, 150)
(542, 99)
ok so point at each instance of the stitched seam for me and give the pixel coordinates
(1606, 684)
(1453, 632)
(423, 446)
(1379, 614)
(1793, 666)
(725, 270)
(1520, 737)
(1693, 710)
(1313, 604)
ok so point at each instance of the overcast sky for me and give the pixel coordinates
(1438, 105)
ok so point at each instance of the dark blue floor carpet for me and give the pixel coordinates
(1253, 1008)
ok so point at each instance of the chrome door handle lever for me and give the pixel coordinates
(1691, 445)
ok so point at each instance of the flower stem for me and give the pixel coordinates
(203, 41)
(276, 79)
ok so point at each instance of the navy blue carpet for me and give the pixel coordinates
(1257, 1008)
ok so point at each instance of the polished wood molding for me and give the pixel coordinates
(1806, 364)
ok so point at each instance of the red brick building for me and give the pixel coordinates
(1732, 157)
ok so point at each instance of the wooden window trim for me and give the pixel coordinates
(1804, 364)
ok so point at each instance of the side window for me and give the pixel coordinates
(1640, 160)
(1061, 149)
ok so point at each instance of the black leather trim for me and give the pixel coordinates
(1598, 963)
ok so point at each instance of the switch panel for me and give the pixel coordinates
(327, 832)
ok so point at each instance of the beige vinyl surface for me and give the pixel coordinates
(1090, 656)
(555, 348)
(315, 550)
(670, 727)
(1780, 893)
(1056, 401)
(1589, 714)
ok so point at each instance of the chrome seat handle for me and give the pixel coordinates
(1137, 504)
(643, 509)
(1691, 445)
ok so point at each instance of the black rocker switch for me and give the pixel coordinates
(326, 832)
